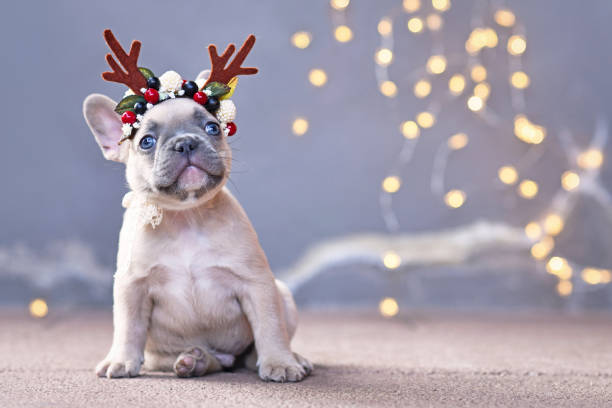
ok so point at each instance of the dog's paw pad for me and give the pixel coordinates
(192, 363)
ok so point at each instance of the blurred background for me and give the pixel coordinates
(393, 155)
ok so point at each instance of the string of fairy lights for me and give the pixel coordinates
(467, 83)
(464, 75)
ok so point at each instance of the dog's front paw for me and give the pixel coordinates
(283, 369)
(113, 367)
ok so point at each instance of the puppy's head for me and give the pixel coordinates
(179, 156)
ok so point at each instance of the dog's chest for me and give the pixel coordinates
(191, 282)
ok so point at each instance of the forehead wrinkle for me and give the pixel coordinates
(150, 126)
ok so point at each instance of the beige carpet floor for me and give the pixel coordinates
(362, 360)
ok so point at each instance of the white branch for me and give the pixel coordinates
(453, 246)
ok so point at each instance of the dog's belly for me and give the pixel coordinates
(195, 306)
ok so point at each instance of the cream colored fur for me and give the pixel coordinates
(199, 279)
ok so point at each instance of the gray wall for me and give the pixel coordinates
(297, 191)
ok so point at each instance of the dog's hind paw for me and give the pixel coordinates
(195, 362)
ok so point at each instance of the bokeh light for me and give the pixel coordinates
(458, 141)
(391, 260)
(391, 184)
(517, 44)
(317, 77)
(38, 308)
(454, 198)
(528, 189)
(343, 34)
(388, 88)
(436, 64)
(507, 175)
(300, 126)
(388, 307)
(301, 39)
(422, 88)
(425, 119)
(456, 84)
(410, 129)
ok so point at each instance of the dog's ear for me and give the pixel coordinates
(105, 124)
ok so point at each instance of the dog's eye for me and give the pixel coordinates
(212, 128)
(147, 142)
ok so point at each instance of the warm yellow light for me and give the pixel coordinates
(422, 88)
(491, 38)
(317, 77)
(478, 73)
(383, 56)
(591, 276)
(385, 26)
(606, 276)
(415, 25)
(343, 34)
(519, 80)
(441, 5)
(555, 264)
(517, 44)
(505, 18)
(528, 189)
(38, 308)
(391, 260)
(388, 307)
(434, 22)
(425, 119)
(590, 159)
(339, 4)
(391, 184)
(477, 40)
(436, 64)
(553, 224)
(564, 288)
(559, 267)
(454, 198)
(533, 230)
(482, 90)
(388, 88)
(410, 6)
(507, 175)
(410, 129)
(456, 84)
(527, 131)
(570, 180)
(301, 39)
(471, 47)
(475, 103)
(300, 126)
(542, 248)
(458, 141)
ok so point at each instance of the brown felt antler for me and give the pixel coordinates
(219, 71)
(129, 75)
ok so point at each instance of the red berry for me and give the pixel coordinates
(151, 95)
(200, 97)
(128, 117)
(232, 128)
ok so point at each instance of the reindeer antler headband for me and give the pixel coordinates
(147, 90)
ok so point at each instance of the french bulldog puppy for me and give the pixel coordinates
(194, 292)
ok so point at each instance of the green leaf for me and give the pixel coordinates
(217, 89)
(127, 103)
(146, 72)
(232, 85)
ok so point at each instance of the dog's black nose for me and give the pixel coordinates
(185, 145)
